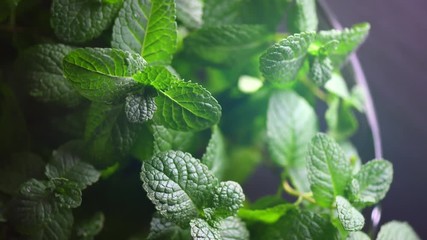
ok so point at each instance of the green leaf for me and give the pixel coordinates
(168, 139)
(221, 12)
(320, 70)
(266, 215)
(201, 230)
(291, 123)
(337, 86)
(148, 28)
(371, 183)
(268, 13)
(176, 197)
(67, 193)
(162, 229)
(18, 169)
(190, 13)
(305, 225)
(302, 16)
(228, 198)
(140, 107)
(396, 230)
(246, 159)
(182, 106)
(232, 228)
(79, 21)
(328, 170)
(102, 74)
(358, 236)
(350, 218)
(45, 75)
(34, 212)
(227, 44)
(68, 166)
(340, 119)
(349, 39)
(215, 155)
(281, 62)
(89, 228)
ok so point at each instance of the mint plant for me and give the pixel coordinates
(118, 72)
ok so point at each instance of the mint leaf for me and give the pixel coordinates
(291, 123)
(35, 212)
(45, 75)
(227, 44)
(190, 12)
(167, 139)
(266, 215)
(215, 156)
(305, 225)
(340, 119)
(67, 193)
(18, 169)
(157, 77)
(338, 86)
(328, 170)
(232, 228)
(89, 228)
(358, 236)
(228, 198)
(350, 218)
(177, 197)
(201, 230)
(140, 107)
(148, 28)
(162, 228)
(79, 21)
(281, 62)
(320, 70)
(246, 159)
(267, 13)
(221, 12)
(396, 230)
(102, 74)
(302, 16)
(349, 39)
(371, 183)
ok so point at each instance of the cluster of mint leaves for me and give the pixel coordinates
(128, 98)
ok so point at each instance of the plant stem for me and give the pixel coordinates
(291, 191)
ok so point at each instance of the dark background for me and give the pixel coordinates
(394, 58)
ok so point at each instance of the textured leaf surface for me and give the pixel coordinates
(18, 169)
(302, 16)
(79, 21)
(281, 62)
(305, 225)
(350, 218)
(67, 193)
(320, 70)
(227, 44)
(396, 230)
(371, 183)
(65, 165)
(102, 74)
(45, 75)
(201, 230)
(215, 156)
(328, 170)
(178, 184)
(162, 228)
(35, 212)
(358, 236)
(232, 228)
(190, 12)
(168, 139)
(266, 215)
(221, 12)
(348, 41)
(139, 107)
(89, 228)
(291, 123)
(148, 28)
(228, 198)
(181, 105)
